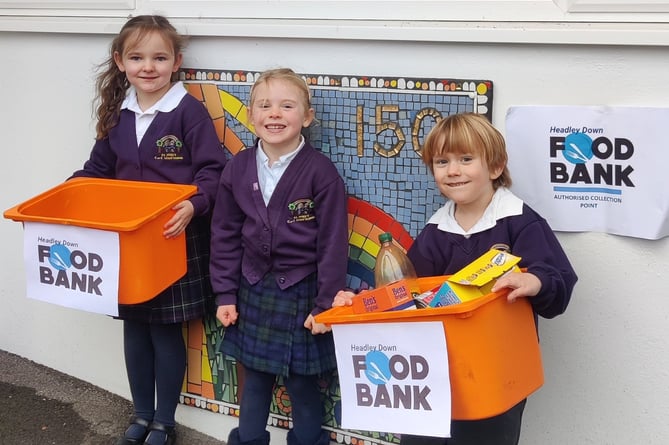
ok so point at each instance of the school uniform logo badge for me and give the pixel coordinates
(168, 148)
(301, 210)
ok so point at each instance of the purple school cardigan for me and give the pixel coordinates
(303, 229)
(180, 147)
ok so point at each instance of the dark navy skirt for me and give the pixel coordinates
(270, 336)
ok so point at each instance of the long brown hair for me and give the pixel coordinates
(469, 133)
(111, 83)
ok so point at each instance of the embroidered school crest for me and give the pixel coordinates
(168, 148)
(301, 210)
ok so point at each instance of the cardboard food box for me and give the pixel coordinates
(473, 281)
(393, 297)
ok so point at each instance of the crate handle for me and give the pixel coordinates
(464, 314)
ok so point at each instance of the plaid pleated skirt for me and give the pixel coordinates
(188, 298)
(270, 336)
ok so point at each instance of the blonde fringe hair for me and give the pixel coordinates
(288, 75)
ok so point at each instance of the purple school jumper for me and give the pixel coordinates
(528, 235)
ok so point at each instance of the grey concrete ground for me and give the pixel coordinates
(41, 406)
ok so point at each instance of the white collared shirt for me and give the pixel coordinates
(269, 176)
(143, 119)
(503, 204)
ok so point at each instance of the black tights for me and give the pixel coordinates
(306, 404)
(155, 358)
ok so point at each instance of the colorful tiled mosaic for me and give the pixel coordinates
(372, 128)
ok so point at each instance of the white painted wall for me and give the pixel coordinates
(606, 360)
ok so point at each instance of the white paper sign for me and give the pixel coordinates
(70, 266)
(599, 169)
(394, 377)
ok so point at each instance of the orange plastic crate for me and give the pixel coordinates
(137, 210)
(493, 349)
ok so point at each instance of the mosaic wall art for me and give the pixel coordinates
(372, 128)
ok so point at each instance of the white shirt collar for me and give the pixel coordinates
(268, 177)
(165, 104)
(262, 157)
(503, 204)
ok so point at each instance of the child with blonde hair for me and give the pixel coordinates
(279, 255)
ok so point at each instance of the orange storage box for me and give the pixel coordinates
(494, 357)
(137, 210)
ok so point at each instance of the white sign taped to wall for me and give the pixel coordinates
(72, 266)
(394, 377)
(588, 168)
